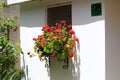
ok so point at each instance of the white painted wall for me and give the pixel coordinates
(32, 19)
(91, 31)
(112, 40)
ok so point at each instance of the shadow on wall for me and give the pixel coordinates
(31, 15)
(72, 73)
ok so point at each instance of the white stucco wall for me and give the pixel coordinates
(32, 19)
(112, 39)
(90, 30)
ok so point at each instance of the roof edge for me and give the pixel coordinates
(11, 2)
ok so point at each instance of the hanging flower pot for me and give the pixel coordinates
(56, 41)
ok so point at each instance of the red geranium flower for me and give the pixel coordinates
(46, 28)
(58, 31)
(62, 37)
(76, 38)
(53, 55)
(59, 26)
(40, 37)
(39, 46)
(51, 36)
(28, 53)
(71, 32)
(63, 22)
(70, 26)
(15, 29)
(34, 39)
(71, 54)
(51, 29)
(43, 40)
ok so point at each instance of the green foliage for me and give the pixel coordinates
(9, 52)
(3, 4)
(11, 75)
(6, 23)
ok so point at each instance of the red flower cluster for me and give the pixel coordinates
(56, 41)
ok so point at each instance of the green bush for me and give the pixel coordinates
(11, 75)
(9, 52)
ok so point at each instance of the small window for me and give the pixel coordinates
(56, 14)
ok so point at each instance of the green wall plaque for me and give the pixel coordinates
(96, 9)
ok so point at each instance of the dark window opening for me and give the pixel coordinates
(56, 14)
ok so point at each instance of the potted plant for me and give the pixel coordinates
(56, 41)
